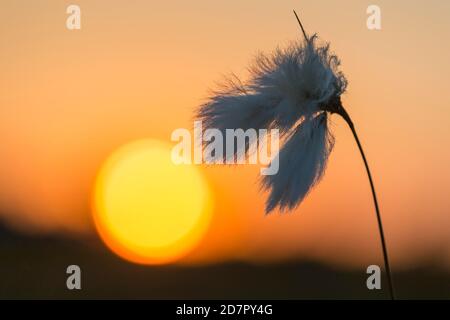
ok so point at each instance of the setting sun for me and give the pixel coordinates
(147, 209)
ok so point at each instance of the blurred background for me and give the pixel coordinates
(139, 69)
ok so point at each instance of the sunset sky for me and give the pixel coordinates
(139, 69)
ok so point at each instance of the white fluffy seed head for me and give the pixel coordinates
(287, 90)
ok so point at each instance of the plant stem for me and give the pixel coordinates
(347, 118)
(301, 26)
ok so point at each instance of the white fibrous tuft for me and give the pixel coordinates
(283, 87)
(302, 162)
(297, 80)
(290, 86)
(233, 106)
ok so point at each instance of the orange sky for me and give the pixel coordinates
(138, 69)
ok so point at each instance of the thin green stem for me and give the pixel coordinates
(347, 118)
(301, 26)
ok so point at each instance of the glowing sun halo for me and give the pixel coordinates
(147, 209)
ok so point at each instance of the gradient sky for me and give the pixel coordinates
(138, 69)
